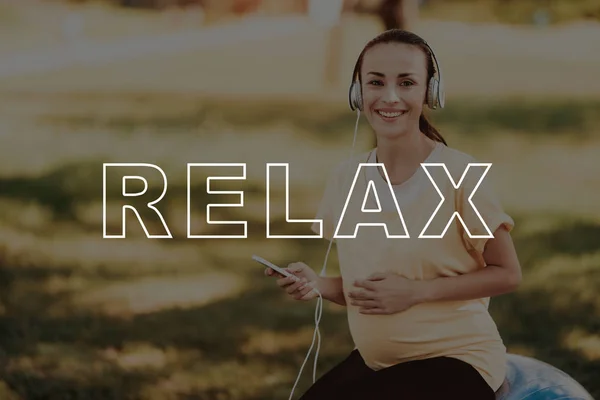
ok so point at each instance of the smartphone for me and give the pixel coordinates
(274, 267)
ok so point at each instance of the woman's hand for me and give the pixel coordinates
(385, 293)
(302, 289)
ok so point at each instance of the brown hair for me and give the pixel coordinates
(402, 36)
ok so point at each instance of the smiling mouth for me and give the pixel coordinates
(390, 114)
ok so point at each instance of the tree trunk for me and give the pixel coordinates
(410, 14)
(333, 58)
(399, 14)
(390, 12)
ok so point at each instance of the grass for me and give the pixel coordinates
(87, 318)
(512, 12)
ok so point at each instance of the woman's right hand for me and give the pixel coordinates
(302, 289)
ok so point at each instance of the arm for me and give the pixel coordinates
(332, 289)
(388, 293)
(501, 275)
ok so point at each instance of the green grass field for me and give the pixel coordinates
(87, 318)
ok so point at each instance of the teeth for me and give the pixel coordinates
(389, 114)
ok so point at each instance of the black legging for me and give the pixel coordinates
(430, 379)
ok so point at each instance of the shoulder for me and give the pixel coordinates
(346, 169)
(460, 164)
(454, 158)
(339, 177)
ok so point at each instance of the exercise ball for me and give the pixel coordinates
(531, 379)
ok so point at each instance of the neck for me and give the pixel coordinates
(404, 151)
(403, 155)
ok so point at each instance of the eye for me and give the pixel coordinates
(376, 82)
(406, 83)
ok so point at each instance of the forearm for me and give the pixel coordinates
(488, 282)
(332, 290)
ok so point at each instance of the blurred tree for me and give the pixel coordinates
(398, 14)
(333, 56)
(274, 7)
(326, 14)
(241, 7)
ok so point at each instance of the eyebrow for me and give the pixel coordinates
(402, 75)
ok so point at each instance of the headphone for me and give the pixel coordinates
(436, 96)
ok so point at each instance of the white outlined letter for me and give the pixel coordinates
(456, 214)
(287, 207)
(208, 206)
(403, 234)
(125, 207)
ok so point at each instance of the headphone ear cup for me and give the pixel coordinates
(355, 96)
(441, 94)
(433, 93)
(359, 98)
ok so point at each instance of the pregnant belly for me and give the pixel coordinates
(422, 331)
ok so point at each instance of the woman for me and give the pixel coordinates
(417, 307)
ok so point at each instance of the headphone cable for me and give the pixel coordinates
(319, 307)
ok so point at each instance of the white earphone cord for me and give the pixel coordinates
(319, 307)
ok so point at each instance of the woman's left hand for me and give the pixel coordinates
(384, 293)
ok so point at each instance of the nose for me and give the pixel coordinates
(391, 94)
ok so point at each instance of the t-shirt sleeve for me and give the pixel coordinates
(485, 215)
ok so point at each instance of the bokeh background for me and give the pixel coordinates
(176, 82)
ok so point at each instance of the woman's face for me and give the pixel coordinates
(394, 85)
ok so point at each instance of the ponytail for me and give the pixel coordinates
(429, 130)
